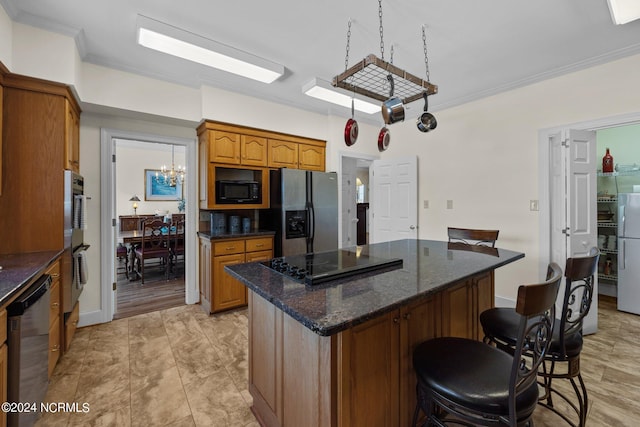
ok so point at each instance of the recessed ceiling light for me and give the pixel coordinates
(183, 44)
(623, 11)
(323, 90)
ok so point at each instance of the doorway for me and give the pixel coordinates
(116, 202)
(136, 164)
(551, 171)
(354, 199)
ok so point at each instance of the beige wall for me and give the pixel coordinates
(483, 155)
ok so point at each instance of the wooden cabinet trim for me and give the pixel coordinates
(227, 127)
(3, 326)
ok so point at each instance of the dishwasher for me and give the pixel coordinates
(28, 339)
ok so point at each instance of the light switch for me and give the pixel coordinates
(425, 204)
(533, 205)
(449, 204)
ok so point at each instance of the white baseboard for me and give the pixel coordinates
(504, 302)
(91, 318)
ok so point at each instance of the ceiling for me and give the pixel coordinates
(475, 48)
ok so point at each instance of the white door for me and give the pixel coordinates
(348, 214)
(573, 199)
(394, 199)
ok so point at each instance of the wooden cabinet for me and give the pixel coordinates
(1, 115)
(70, 326)
(462, 305)
(34, 132)
(311, 157)
(223, 145)
(56, 318)
(283, 154)
(253, 150)
(72, 138)
(218, 290)
(4, 357)
(361, 376)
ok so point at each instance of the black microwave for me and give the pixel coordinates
(238, 192)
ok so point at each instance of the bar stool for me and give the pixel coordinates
(480, 384)
(500, 327)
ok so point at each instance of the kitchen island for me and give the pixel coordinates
(339, 353)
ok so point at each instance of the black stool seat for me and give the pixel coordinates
(503, 324)
(480, 382)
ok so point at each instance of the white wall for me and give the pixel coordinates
(132, 160)
(483, 155)
(6, 39)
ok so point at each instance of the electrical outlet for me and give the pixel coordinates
(449, 204)
(425, 204)
(533, 205)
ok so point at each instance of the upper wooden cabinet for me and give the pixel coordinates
(311, 157)
(283, 154)
(239, 145)
(36, 127)
(72, 138)
(3, 71)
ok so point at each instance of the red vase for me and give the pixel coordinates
(607, 162)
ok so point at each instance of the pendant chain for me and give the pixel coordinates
(426, 59)
(381, 34)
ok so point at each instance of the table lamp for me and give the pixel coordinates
(135, 200)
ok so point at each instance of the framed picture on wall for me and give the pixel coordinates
(156, 189)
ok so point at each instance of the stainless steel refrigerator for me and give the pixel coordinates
(304, 211)
(629, 252)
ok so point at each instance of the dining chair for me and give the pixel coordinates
(153, 245)
(176, 242)
(472, 236)
(468, 382)
(122, 254)
(500, 328)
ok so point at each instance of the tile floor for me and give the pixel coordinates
(180, 367)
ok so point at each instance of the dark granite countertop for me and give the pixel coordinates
(428, 267)
(253, 233)
(19, 269)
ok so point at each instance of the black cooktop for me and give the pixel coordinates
(319, 267)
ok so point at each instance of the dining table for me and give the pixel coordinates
(132, 238)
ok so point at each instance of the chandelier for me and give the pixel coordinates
(173, 176)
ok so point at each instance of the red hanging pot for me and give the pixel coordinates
(351, 132)
(384, 137)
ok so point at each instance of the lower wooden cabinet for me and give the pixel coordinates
(361, 376)
(463, 303)
(70, 326)
(55, 315)
(218, 290)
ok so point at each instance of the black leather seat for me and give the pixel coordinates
(500, 326)
(466, 379)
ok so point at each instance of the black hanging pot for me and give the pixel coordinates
(426, 122)
(351, 129)
(384, 137)
(392, 108)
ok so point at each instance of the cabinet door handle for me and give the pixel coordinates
(55, 348)
(407, 316)
(55, 275)
(396, 320)
(55, 304)
(229, 248)
(259, 245)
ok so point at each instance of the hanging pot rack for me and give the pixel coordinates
(369, 77)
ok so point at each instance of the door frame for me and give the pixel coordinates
(107, 201)
(358, 156)
(544, 170)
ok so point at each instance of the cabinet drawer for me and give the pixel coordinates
(54, 271)
(3, 326)
(262, 244)
(54, 345)
(228, 247)
(54, 307)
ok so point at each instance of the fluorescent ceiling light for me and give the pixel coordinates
(323, 90)
(174, 41)
(623, 11)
